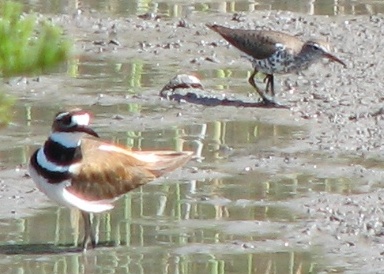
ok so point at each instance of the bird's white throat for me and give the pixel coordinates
(67, 139)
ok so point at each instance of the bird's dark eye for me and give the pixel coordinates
(66, 120)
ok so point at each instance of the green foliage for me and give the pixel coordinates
(28, 45)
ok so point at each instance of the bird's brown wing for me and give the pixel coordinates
(257, 43)
(113, 171)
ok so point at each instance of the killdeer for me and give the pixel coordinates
(75, 169)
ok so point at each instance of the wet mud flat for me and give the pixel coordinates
(340, 112)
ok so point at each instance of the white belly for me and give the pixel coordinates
(58, 192)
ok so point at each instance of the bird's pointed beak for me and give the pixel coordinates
(334, 58)
(88, 130)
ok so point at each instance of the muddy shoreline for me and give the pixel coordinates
(339, 110)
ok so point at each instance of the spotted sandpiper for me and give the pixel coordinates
(274, 52)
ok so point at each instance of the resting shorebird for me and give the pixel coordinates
(274, 52)
(78, 171)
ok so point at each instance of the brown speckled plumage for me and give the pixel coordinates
(274, 52)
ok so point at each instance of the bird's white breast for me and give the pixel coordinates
(58, 192)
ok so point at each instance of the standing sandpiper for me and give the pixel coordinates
(274, 52)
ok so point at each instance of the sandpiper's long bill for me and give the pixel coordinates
(274, 52)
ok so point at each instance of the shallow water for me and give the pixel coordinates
(172, 226)
(216, 220)
(221, 223)
(183, 8)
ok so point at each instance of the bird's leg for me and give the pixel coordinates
(270, 86)
(251, 80)
(89, 235)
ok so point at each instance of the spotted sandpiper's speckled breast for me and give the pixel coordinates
(274, 52)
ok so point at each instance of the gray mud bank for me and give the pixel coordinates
(340, 111)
